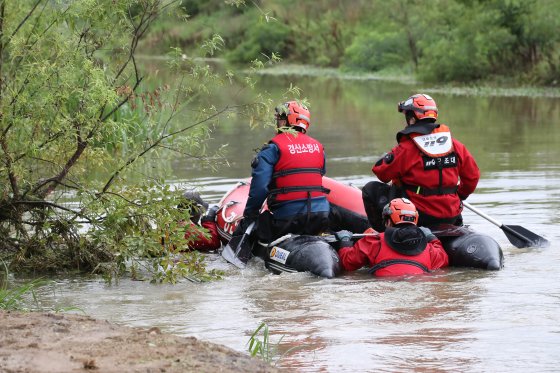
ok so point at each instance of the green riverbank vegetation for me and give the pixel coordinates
(499, 42)
(84, 130)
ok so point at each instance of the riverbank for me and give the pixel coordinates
(487, 89)
(37, 342)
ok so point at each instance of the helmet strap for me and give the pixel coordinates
(299, 129)
(410, 118)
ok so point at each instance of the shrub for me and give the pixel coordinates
(374, 51)
(261, 39)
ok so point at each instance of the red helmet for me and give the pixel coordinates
(400, 210)
(422, 105)
(297, 114)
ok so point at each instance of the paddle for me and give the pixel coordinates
(238, 251)
(517, 235)
(332, 237)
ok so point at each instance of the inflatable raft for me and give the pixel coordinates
(230, 211)
(347, 208)
(294, 253)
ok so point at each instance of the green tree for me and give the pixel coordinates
(262, 39)
(534, 52)
(467, 44)
(373, 51)
(79, 115)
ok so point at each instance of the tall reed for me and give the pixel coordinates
(13, 299)
(266, 350)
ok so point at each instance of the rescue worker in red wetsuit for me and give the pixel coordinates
(287, 173)
(200, 240)
(428, 166)
(403, 249)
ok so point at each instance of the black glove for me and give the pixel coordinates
(210, 214)
(243, 225)
(428, 233)
(344, 239)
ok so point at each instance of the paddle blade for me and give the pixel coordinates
(521, 237)
(228, 253)
(239, 249)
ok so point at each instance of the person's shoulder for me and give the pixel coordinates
(405, 143)
(269, 151)
(269, 146)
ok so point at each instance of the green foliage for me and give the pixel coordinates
(24, 297)
(465, 48)
(261, 348)
(262, 39)
(147, 235)
(264, 349)
(13, 299)
(441, 40)
(81, 125)
(375, 51)
(534, 53)
(320, 40)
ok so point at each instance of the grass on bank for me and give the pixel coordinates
(264, 349)
(495, 89)
(17, 298)
(13, 299)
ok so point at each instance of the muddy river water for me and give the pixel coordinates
(459, 320)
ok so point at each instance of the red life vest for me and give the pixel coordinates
(298, 174)
(389, 262)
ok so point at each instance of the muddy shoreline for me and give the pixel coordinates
(46, 342)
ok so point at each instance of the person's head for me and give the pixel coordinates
(293, 114)
(194, 204)
(418, 107)
(400, 212)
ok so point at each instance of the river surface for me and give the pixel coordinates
(457, 320)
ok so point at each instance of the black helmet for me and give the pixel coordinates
(194, 203)
(195, 197)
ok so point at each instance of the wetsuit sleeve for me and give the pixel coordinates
(438, 256)
(469, 173)
(199, 240)
(389, 166)
(261, 176)
(358, 256)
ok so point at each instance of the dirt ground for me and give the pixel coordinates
(60, 343)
